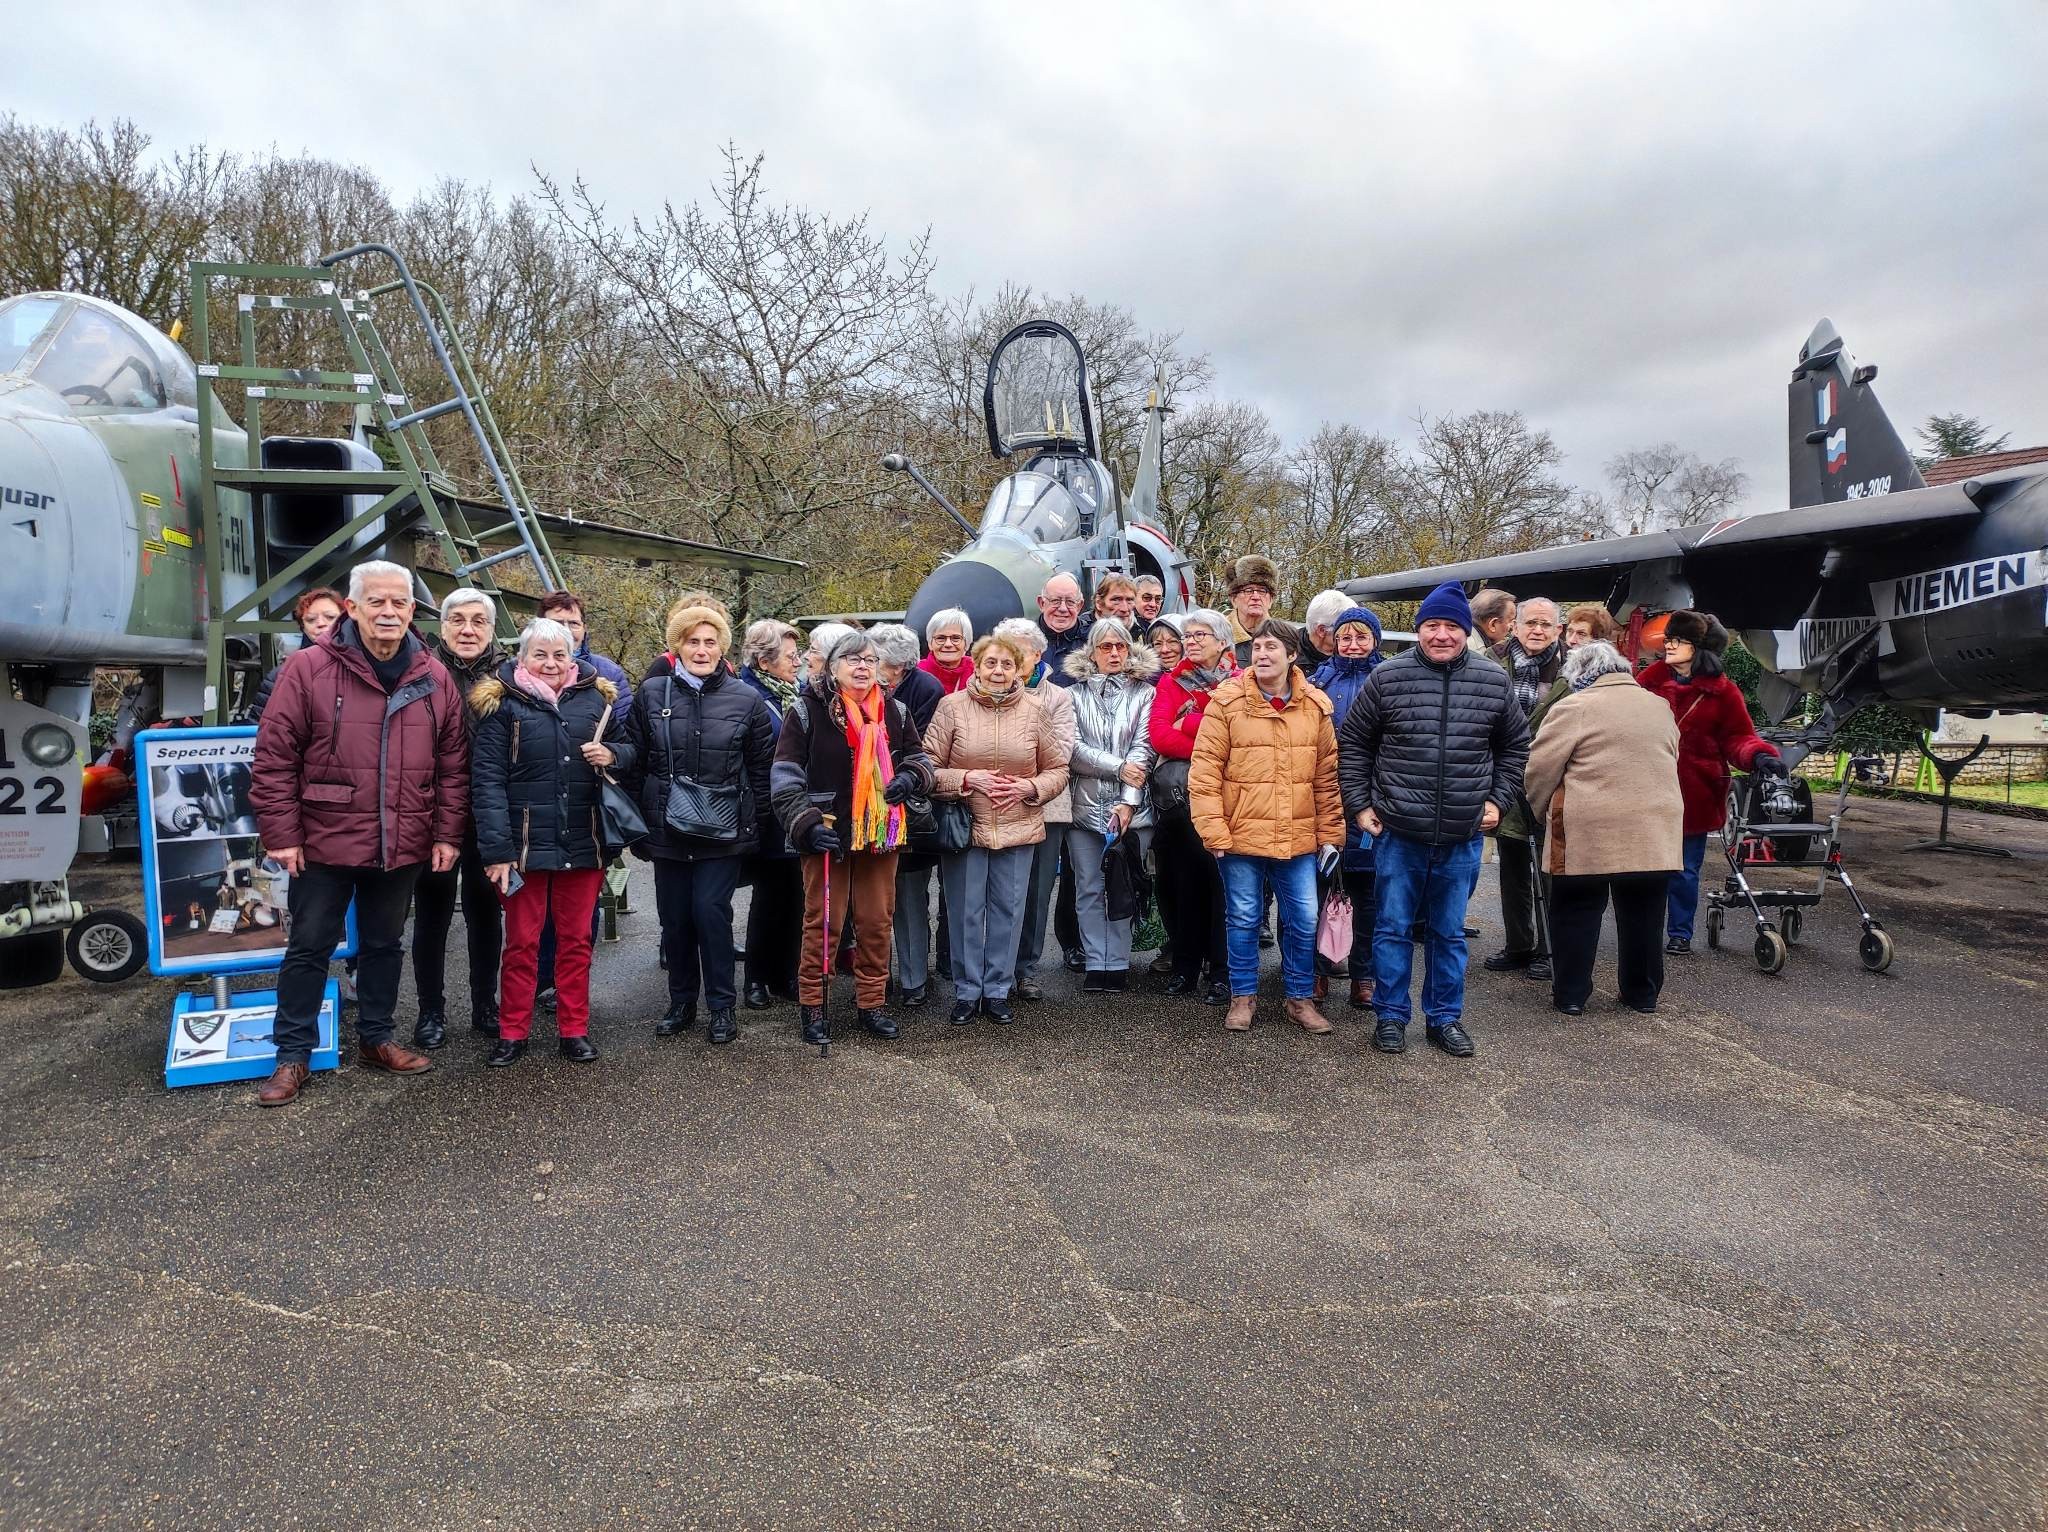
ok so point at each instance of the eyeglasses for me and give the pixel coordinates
(1110, 643)
(859, 661)
(1061, 601)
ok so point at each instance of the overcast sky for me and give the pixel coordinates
(1622, 221)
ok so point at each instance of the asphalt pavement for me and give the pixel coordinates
(1771, 1258)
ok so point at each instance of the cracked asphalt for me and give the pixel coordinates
(1772, 1258)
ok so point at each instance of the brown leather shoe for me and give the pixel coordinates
(282, 1088)
(1239, 1017)
(1311, 1019)
(393, 1059)
(1361, 994)
(1322, 983)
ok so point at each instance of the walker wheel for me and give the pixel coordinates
(1770, 950)
(1875, 949)
(1714, 929)
(1791, 923)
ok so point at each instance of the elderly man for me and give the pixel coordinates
(1429, 756)
(1532, 655)
(1060, 625)
(1320, 620)
(1252, 585)
(468, 650)
(1059, 811)
(1151, 600)
(1493, 619)
(361, 781)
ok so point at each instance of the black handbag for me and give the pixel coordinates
(1170, 787)
(694, 809)
(939, 826)
(620, 825)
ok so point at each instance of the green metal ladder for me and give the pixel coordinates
(417, 495)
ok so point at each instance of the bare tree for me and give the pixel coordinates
(1484, 483)
(1667, 486)
(1337, 518)
(1219, 480)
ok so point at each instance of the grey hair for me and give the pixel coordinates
(467, 595)
(1152, 582)
(826, 634)
(1325, 607)
(1528, 601)
(376, 569)
(545, 630)
(848, 642)
(1022, 631)
(1207, 617)
(1590, 661)
(1108, 627)
(951, 617)
(764, 640)
(895, 644)
(1490, 603)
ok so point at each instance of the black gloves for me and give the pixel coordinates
(820, 839)
(1769, 766)
(901, 789)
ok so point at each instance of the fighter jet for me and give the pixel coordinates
(1871, 587)
(102, 563)
(1062, 510)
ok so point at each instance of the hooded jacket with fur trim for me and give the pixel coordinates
(533, 796)
(1112, 717)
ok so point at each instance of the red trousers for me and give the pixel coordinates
(572, 896)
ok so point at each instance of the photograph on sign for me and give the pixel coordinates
(210, 1044)
(196, 799)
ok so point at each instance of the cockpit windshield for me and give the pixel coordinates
(22, 323)
(1036, 505)
(96, 360)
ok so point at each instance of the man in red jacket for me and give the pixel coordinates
(361, 780)
(1714, 733)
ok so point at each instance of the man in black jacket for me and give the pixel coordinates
(1429, 755)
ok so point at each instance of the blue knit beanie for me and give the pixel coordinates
(1446, 601)
(1362, 614)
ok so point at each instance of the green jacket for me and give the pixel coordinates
(1514, 824)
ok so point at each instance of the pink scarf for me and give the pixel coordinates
(534, 686)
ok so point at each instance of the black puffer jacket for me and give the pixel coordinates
(719, 736)
(533, 795)
(1427, 746)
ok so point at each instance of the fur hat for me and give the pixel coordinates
(1702, 630)
(1254, 569)
(1446, 601)
(684, 618)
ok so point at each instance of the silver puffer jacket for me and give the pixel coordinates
(1111, 715)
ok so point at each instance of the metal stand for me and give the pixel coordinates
(1948, 769)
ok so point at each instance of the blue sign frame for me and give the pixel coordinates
(212, 754)
(238, 1044)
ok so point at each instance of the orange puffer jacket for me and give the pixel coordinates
(1263, 781)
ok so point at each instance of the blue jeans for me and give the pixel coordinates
(1682, 898)
(1293, 882)
(1434, 884)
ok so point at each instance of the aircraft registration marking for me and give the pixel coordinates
(1937, 590)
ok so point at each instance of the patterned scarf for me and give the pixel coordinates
(1527, 671)
(877, 823)
(784, 692)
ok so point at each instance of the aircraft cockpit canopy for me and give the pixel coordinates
(1036, 395)
(1035, 504)
(93, 355)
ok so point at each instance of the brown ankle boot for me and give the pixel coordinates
(1239, 1017)
(1322, 983)
(282, 1088)
(1361, 994)
(1311, 1019)
(393, 1059)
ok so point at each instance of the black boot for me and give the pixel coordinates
(816, 1028)
(577, 1050)
(431, 1030)
(997, 1011)
(1094, 982)
(723, 1027)
(1114, 981)
(916, 996)
(483, 1017)
(879, 1023)
(757, 996)
(1182, 984)
(682, 1015)
(963, 1013)
(507, 1051)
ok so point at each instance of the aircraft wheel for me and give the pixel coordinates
(1770, 951)
(107, 946)
(1792, 922)
(1876, 950)
(1714, 929)
(26, 961)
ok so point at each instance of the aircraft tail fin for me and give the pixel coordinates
(1143, 504)
(1842, 445)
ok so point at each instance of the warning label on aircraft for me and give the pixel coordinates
(174, 535)
(1936, 590)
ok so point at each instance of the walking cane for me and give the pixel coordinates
(825, 947)
(1538, 888)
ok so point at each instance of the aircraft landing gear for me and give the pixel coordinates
(26, 961)
(107, 946)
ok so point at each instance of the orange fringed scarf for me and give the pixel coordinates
(877, 823)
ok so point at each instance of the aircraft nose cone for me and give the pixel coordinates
(982, 591)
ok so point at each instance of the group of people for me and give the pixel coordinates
(1057, 773)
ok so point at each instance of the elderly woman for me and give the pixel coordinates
(1028, 639)
(948, 635)
(316, 610)
(1112, 766)
(1714, 733)
(771, 657)
(468, 648)
(846, 763)
(1263, 792)
(1163, 638)
(699, 727)
(1604, 776)
(533, 789)
(1356, 633)
(1190, 882)
(823, 637)
(995, 747)
(920, 690)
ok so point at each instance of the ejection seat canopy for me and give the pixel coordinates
(1036, 395)
(95, 356)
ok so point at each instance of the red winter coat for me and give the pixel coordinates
(1174, 725)
(358, 778)
(1714, 733)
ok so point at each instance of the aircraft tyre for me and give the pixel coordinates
(107, 946)
(1770, 950)
(1875, 949)
(26, 961)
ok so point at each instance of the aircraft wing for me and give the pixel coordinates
(1568, 572)
(599, 540)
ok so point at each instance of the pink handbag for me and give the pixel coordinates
(1333, 928)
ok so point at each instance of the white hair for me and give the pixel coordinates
(1325, 607)
(951, 617)
(467, 595)
(1152, 581)
(895, 644)
(1207, 617)
(1522, 607)
(826, 634)
(1021, 631)
(1587, 663)
(376, 569)
(545, 630)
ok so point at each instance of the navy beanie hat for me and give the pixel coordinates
(1446, 601)
(1362, 614)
